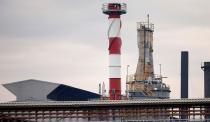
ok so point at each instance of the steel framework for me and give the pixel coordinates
(118, 110)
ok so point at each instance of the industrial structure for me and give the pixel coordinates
(206, 69)
(144, 83)
(159, 110)
(145, 69)
(37, 90)
(184, 81)
(184, 74)
(41, 101)
(114, 10)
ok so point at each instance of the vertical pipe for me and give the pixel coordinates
(126, 91)
(99, 88)
(184, 74)
(184, 82)
(206, 69)
(144, 52)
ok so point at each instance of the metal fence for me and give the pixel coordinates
(125, 111)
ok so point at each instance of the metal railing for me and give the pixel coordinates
(111, 7)
(169, 120)
(146, 25)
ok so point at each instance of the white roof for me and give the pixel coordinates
(31, 90)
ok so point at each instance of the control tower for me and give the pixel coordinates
(114, 10)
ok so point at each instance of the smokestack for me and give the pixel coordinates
(114, 10)
(206, 69)
(184, 74)
(184, 82)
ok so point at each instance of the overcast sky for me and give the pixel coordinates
(65, 41)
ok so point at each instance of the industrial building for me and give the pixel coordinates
(36, 90)
(147, 110)
(145, 84)
(147, 99)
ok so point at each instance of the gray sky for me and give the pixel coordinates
(65, 41)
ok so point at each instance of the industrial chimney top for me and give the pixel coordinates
(114, 8)
(145, 25)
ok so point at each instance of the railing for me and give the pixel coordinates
(169, 120)
(146, 25)
(163, 111)
(114, 7)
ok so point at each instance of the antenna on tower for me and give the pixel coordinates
(148, 20)
(160, 70)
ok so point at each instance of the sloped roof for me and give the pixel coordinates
(37, 90)
(31, 89)
(68, 93)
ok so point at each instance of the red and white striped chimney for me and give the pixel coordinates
(114, 10)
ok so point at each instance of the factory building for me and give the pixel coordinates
(36, 90)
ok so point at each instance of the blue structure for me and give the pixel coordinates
(68, 93)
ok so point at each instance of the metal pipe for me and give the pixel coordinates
(206, 69)
(184, 74)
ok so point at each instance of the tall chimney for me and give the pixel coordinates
(114, 10)
(206, 69)
(184, 74)
(184, 82)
